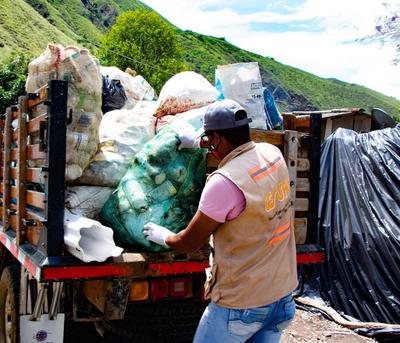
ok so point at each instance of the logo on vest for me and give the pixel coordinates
(278, 194)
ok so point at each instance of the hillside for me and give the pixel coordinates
(24, 30)
(292, 88)
(27, 26)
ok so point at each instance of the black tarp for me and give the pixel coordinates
(359, 224)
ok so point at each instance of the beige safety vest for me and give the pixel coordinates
(254, 262)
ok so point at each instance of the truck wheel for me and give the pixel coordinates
(9, 304)
(6, 258)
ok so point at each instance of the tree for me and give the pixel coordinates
(12, 79)
(144, 41)
(387, 28)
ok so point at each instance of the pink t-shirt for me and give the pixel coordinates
(221, 199)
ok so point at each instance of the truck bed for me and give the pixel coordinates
(128, 264)
(32, 206)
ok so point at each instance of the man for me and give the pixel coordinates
(246, 209)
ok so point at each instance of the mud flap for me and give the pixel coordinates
(42, 330)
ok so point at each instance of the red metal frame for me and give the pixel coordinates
(177, 267)
(82, 272)
(69, 272)
(311, 257)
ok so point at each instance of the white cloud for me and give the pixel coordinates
(330, 50)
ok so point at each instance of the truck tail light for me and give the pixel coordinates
(179, 287)
(159, 289)
(139, 291)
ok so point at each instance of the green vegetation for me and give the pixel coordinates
(204, 53)
(293, 89)
(144, 41)
(12, 80)
(28, 26)
(24, 30)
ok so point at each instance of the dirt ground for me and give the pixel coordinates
(313, 327)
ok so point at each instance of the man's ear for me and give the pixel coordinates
(217, 139)
(224, 141)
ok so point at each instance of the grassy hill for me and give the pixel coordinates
(24, 30)
(292, 88)
(27, 26)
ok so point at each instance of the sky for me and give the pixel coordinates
(318, 36)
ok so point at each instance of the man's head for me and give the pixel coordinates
(224, 114)
(226, 126)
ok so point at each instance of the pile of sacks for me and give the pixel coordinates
(163, 182)
(124, 163)
(139, 174)
(98, 147)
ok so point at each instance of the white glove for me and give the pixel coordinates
(189, 137)
(156, 233)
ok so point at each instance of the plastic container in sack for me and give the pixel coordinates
(122, 134)
(143, 89)
(86, 201)
(162, 185)
(81, 70)
(242, 82)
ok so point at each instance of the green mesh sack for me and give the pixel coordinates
(162, 185)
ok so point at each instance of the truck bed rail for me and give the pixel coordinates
(33, 167)
(32, 188)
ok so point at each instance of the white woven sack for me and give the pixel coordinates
(183, 92)
(81, 70)
(122, 134)
(86, 201)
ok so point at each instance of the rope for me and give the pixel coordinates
(58, 62)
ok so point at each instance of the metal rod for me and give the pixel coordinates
(52, 239)
(37, 311)
(315, 152)
(55, 302)
(23, 293)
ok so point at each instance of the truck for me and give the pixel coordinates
(143, 296)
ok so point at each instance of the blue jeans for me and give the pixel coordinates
(256, 325)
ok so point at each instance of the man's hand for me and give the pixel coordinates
(156, 233)
(189, 137)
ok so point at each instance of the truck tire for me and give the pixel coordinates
(168, 321)
(9, 304)
(6, 258)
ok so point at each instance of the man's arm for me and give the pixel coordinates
(190, 239)
(195, 235)
(220, 199)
